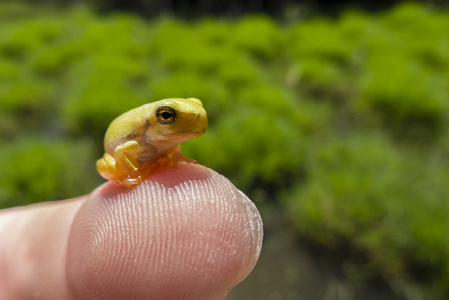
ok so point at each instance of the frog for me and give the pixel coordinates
(146, 138)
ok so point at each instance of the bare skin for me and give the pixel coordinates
(180, 234)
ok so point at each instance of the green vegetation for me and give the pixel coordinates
(343, 122)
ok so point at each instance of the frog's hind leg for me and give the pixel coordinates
(107, 167)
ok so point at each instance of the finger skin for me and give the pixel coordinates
(33, 247)
(181, 234)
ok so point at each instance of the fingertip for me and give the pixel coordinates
(180, 234)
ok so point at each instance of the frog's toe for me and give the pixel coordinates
(104, 168)
(129, 182)
(183, 158)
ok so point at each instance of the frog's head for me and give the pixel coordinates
(176, 120)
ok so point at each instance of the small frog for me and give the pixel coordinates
(148, 137)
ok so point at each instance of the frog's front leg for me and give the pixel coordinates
(126, 156)
(176, 156)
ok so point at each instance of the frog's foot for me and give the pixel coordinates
(177, 157)
(183, 158)
(128, 181)
(107, 167)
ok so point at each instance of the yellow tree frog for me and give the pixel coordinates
(148, 137)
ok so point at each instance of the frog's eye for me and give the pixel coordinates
(165, 115)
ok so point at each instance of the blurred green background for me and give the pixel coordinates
(335, 126)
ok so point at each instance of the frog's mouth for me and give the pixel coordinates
(184, 134)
